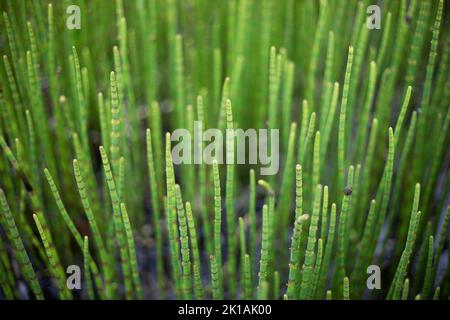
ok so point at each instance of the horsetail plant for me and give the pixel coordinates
(134, 148)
